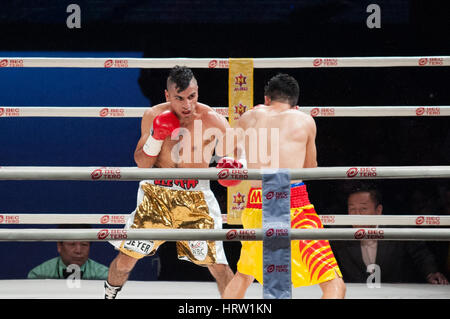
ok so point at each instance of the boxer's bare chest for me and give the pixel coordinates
(192, 147)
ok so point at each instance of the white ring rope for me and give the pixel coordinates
(223, 63)
(120, 219)
(138, 174)
(138, 112)
(221, 234)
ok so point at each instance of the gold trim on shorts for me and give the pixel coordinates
(165, 208)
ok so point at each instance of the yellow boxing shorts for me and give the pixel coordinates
(313, 261)
(176, 204)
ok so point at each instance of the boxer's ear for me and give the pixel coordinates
(166, 94)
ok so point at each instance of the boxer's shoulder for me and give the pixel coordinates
(296, 115)
(210, 117)
(156, 109)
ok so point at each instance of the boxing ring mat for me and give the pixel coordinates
(93, 289)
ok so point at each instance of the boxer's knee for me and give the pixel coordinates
(334, 288)
(220, 270)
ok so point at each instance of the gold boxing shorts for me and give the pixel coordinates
(313, 261)
(176, 204)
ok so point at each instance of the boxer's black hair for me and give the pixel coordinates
(181, 76)
(283, 88)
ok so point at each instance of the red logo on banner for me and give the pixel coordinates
(270, 232)
(242, 234)
(224, 173)
(223, 64)
(325, 62)
(231, 234)
(113, 234)
(104, 112)
(420, 111)
(431, 61)
(112, 112)
(212, 64)
(423, 61)
(104, 219)
(112, 219)
(106, 173)
(10, 111)
(276, 195)
(14, 219)
(277, 268)
(269, 195)
(360, 233)
(109, 63)
(362, 172)
(102, 234)
(352, 172)
(429, 220)
(323, 111)
(97, 174)
(370, 234)
(317, 62)
(428, 111)
(315, 111)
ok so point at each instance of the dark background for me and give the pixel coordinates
(276, 28)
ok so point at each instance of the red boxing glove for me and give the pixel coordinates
(163, 126)
(228, 162)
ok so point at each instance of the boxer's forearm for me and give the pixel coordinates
(143, 160)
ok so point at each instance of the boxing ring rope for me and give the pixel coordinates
(247, 234)
(120, 219)
(138, 112)
(138, 174)
(221, 63)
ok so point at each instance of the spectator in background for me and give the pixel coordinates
(73, 256)
(397, 260)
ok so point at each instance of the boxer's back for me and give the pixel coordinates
(278, 137)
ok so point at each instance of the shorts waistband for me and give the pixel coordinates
(180, 184)
(299, 196)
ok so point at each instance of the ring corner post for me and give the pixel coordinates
(276, 235)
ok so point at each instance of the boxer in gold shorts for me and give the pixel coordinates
(176, 204)
(173, 135)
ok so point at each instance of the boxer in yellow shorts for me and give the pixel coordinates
(277, 135)
(313, 261)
